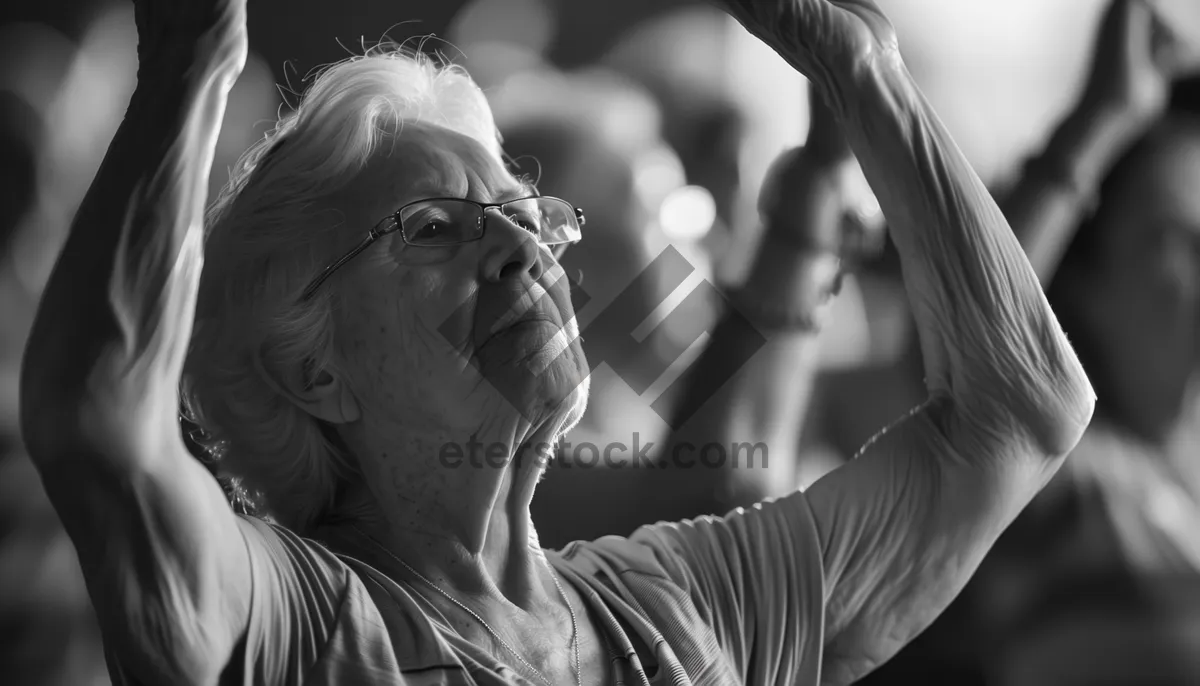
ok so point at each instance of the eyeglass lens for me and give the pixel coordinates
(447, 222)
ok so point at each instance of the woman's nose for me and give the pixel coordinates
(509, 250)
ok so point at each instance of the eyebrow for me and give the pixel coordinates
(524, 189)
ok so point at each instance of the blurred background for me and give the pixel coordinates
(684, 113)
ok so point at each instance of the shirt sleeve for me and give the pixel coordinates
(758, 576)
(298, 592)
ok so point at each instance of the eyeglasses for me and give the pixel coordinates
(441, 222)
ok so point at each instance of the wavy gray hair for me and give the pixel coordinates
(266, 238)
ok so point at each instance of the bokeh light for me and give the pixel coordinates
(688, 213)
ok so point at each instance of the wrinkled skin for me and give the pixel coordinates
(440, 320)
(820, 38)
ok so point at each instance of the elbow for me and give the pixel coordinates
(58, 428)
(1061, 424)
(1049, 406)
(1062, 401)
(1025, 381)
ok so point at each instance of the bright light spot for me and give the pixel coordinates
(657, 173)
(688, 213)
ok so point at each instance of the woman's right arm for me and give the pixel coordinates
(163, 555)
(1133, 63)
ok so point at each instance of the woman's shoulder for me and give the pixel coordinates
(294, 567)
(280, 538)
(365, 624)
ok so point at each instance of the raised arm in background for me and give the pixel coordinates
(1133, 62)
(161, 551)
(786, 298)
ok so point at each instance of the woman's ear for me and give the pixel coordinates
(318, 392)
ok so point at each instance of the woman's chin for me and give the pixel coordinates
(573, 407)
(559, 395)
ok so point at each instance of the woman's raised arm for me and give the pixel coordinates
(164, 561)
(904, 525)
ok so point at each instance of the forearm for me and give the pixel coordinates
(988, 338)
(774, 321)
(770, 393)
(1061, 185)
(114, 321)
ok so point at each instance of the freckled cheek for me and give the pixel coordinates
(369, 337)
(445, 312)
(397, 324)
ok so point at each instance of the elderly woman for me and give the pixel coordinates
(382, 342)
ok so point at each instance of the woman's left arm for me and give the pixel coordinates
(905, 524)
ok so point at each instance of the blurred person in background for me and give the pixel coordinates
(48, 631)
(48, 636)
(1109, 214)
(701, 120)
(805, 247)
(335, 413)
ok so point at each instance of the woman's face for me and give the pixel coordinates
(1143, 296)
(458, 340)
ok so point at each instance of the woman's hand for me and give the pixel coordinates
(1136, 57)
(177, 26)
(826, 40)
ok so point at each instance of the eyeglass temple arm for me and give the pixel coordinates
(328, 271)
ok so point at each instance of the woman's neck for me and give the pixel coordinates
(507, 565)
(466, 529)
(451, 504)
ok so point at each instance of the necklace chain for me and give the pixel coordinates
(488, 627)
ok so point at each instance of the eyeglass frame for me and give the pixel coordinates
(376, 233)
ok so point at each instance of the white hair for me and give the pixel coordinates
(266, 240)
